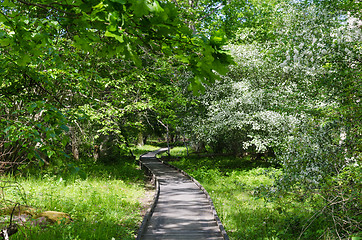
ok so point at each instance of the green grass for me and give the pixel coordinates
(105, 205)
(234, 184)
(175, 151)
(139, 150)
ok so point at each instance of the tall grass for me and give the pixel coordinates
(105, 205)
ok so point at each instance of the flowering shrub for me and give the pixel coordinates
(299, 94)
(238, 115)
(322, 51)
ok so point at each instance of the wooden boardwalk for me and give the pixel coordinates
(182, 211)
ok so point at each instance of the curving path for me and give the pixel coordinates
(181, 210)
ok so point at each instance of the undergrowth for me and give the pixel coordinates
(104, 204)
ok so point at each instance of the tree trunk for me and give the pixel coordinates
(75, 144)
(8, 231)
(140, 140)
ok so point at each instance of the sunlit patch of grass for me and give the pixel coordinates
(179, 151)
(176, 152)
(139, 150)
(105, 205)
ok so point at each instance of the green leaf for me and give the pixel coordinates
(65, 128)
(133, 55)
(119, 1)
(99, 6)
(66, 155)
(220, 68)
(50, 153)
(3, 18)
(65, 140)
(5, 42)
(30, 155)
(183, 58)
(196, 85)
(117, 37)
(24, 60)
(218, 38)
(8, 3)
(155, 7)
(140, 8)
(7, 129)
(82, 43)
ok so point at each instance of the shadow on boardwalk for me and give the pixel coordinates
(182, 210)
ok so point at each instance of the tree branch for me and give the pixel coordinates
(210, 13)
(44, 89)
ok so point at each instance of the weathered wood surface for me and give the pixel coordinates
(182, 210)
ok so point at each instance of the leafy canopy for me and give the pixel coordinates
(119, 28)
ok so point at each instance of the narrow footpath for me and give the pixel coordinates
(182, 210)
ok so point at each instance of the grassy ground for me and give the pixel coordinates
(138, 151)
(108, 204)
(234, 184)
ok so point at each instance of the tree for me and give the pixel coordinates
(296, 90)
(55, 56)
(326, 149)
(240, 114)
